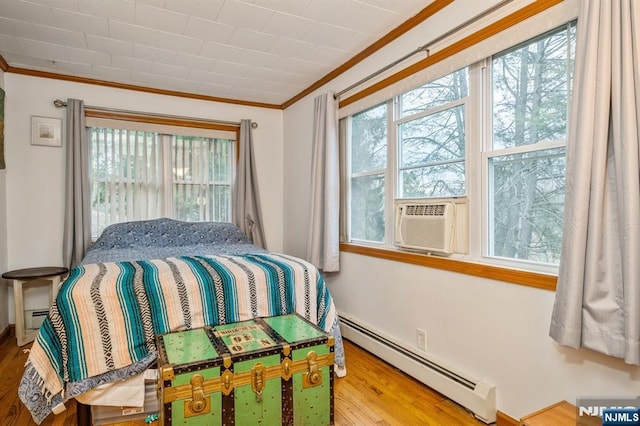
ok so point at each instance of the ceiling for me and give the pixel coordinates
(264, 51)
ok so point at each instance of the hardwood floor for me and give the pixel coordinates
(372, 393)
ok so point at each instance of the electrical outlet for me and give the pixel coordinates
(421, 339)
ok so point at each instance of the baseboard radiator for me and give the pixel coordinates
(477, 396)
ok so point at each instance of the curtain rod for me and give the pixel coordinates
(61, 104)
(424, 47)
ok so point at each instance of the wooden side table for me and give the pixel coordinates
(22, 277)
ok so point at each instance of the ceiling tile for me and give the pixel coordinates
(131, 64)
(259, 59)
(301, 67)
(112, 74)
(135, 34)
(372, 20)
(151, 80)
(39, 49)
(17, 28)
(244, 15)
(110, 46)
(182, 85)
(333, 12)
(8, 44)
(205, 76)
(336, 37)
(290, 26)
(161, 19)
(294, 7)
(84, 56)
(208, 30)
(232, 68)
(193, 61)
(220, 51)
(407, 8)
(73, 68)
(26, 11)
(154, 54)
(294, 78)
(327, 55)
(248, 39)
(154, 3)
(207, 9)
(179, 43)
(263, 74)
(288, 47)
(59, 36)
(60, 4)
(215, 89)
(173, 71)
(120, 10)
(20, 61)
(81, 22)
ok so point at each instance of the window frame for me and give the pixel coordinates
(478, 137)
(166, 128)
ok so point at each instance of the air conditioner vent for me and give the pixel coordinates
(427, 226)
(426, 209)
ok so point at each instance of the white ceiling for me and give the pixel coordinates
(264, 51)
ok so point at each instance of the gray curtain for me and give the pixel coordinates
(247, 214)
(77, 215)
(597, 302)
(323, 248)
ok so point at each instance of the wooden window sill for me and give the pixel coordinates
(514, 276)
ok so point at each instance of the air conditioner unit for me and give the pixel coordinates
(425, 225)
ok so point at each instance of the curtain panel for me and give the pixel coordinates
(77, 212)
(246, 201)
(323, 247)
(597, 302)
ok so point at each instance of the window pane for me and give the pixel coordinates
(369, 140)
(432, 139)
(201, 179)
(367, 208)
(447, 89)
(126, 177)
(446, 180)
(527, 205)
(531, 91)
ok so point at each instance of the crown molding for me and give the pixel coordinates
(4, 66)
(115, 85)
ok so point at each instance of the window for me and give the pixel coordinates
(525, 157)
(368, 174)
(422, 144)
(431, 138)
(138, 174)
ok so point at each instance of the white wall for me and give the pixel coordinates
(35, 174)
(489, 329)
(4, 317)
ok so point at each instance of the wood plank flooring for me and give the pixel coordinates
(372, 393)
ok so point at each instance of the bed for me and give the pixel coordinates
(149, 277)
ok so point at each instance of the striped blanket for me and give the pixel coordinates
(106, 315)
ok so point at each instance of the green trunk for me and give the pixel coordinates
(266, 371)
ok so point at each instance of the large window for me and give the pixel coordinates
(138, 175)
(510, 164)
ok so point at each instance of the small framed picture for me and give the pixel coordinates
(46, 131)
